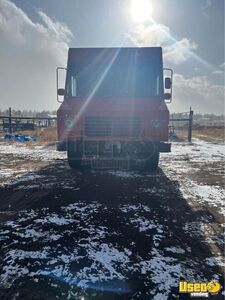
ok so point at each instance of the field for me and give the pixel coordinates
(68, 234)
(206, 133)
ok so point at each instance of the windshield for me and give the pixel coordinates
(139, 79)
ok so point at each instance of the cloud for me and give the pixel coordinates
(207, 4)
(29, 55)
(198, 92)
(180, 51)
(222, 66)
(153, 35)
(218, 72)
(205, 8)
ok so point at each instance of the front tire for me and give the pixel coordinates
(152, 162)
(73, 157)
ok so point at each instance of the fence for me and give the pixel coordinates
(16, 123)
(181, 126)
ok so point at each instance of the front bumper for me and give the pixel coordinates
(162, 147)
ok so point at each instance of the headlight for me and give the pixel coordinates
(156, 123)
(68, 122)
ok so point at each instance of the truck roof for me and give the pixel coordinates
(78, 55)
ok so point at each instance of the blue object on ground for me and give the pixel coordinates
(20, 137)
(8, 136)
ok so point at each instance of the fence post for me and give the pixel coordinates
(10, 120)
(190, 125)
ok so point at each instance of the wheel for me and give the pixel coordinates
(74, 158)
(74, 161)
(152, 162)
(147, 152)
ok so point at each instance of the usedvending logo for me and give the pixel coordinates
(199, 289)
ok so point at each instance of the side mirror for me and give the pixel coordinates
(167, 96)
(61, 92)
(168, 83)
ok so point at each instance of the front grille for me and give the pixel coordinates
(112, 126)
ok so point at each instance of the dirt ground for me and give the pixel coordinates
(206, 133)
(210, 134)
(68, 234)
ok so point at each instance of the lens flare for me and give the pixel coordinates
(141, 10)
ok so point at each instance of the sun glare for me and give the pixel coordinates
(141, 10)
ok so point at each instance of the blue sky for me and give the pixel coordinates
(191, 33)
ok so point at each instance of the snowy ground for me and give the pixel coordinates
(109, 235)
